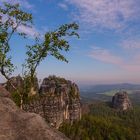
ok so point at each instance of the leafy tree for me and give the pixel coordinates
(12, 17)
(54, 43)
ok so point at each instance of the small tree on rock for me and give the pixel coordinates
(54, 43)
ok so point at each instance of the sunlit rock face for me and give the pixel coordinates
(60, 101)
(121, 101)
(63, 100)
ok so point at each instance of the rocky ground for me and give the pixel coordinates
(16, 124)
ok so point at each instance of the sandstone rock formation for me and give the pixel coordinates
(16, 124)
(4, 92)
(60, 101)
(16, 81)
(121, 101)
(19, 83)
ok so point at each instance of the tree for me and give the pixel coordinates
(54, 43)
(12, 17)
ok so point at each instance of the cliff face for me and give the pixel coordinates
(121, 101)
(64, 100)
(16, 124)
(60, 101)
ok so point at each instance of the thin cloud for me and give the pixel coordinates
(107, 57)
(30, 31)
(63, 6)
(109, 14)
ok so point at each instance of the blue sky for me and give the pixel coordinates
(108, 50)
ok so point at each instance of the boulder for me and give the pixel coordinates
(16, 124)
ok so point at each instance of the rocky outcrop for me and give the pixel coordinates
(121, 101)
(16, 81)
(4, 92)
(16, 124)
(60, 101)
(21, 84)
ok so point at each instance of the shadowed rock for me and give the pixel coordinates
(16, 124)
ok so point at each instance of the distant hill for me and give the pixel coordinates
(106, 87)
(105, 92)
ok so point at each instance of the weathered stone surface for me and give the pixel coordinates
(16, 124)
(4, 92)
(121, 101)
(19, 83)
(16, 81)
(61, 101)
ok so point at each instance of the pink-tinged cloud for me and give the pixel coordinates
(107, 57)
(110, 14)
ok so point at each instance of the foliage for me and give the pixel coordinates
(16, 98)
(12, 17)
(104, 123)
(54, 44)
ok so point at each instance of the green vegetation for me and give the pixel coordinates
(105, 123)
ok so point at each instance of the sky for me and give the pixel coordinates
(108, 50)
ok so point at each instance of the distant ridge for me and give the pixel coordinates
(108, 87)
(105, 92)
